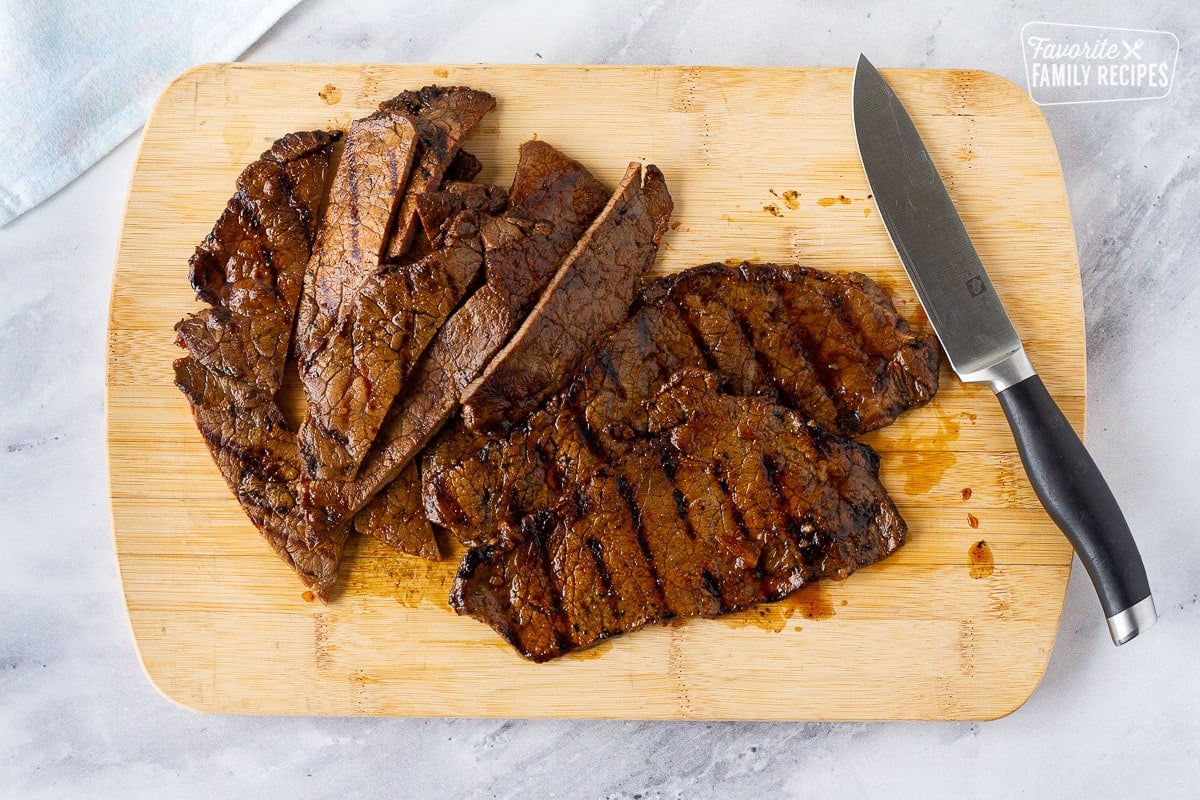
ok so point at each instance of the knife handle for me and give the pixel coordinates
(1070, 486)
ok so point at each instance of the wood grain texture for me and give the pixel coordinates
(763, 166)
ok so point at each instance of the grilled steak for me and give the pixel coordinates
(829, 346)
(551, 202)
(726, 502)
(441, 116)
(256, 453)
(588, 296)
(250, 270)
(343, 410)
(395, 517)
(362, 366)
(436, 209)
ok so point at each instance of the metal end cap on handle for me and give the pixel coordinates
(1127, 624)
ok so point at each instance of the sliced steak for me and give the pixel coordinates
(829, 346)
(342, 409)
(588, 296)
(552, 201)
(437, 209)
(256, 453)
(362, 366)
(395, 517)
(727, 502)
(442, 115)
(249, 270)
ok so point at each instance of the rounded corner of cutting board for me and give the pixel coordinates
(186, 79)
(174, 692)
(1024, 685)
(725, 210)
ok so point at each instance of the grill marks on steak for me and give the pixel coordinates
(339, 360)
(365, 327)
(830, 345)
(250, 270)
(589, 295)
(759, 328)
(256, 453)
(442, 115)
(551, 202)
(764, 503)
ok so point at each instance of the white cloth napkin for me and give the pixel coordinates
(78, 76)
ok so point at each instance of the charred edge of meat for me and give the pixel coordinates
(429, 98)
(465, 167)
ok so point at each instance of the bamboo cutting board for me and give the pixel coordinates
(762, 164)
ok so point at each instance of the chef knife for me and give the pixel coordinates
(983, 347)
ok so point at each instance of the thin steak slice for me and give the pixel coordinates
(362, 367)
(442, 116)
(341, 404)
(588, 296)
(829, 346)
(396, 518)
(727, 502)
(255, 451)
(551, 202)
(249, 270)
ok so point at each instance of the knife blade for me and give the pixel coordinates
(982, 346)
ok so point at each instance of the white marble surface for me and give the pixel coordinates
(79, 719)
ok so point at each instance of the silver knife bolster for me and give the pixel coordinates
(1009, 370)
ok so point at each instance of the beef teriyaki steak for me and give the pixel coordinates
(250, 270)
(725, 502)
(338, 375)
(442, 116)
(551, 202)
(588, 296)
(831, 347)
(362, 328)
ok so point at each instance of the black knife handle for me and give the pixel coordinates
(1070, 486)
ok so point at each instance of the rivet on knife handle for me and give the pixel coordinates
(983, 346)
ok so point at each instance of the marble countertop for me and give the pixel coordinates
(79, 719)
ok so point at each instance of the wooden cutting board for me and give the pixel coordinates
(762, 164)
